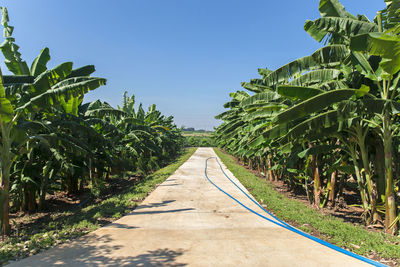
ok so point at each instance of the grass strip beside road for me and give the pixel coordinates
(72, 224)
(334, 230)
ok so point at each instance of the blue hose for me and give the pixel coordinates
(249, 197)
(283, 224)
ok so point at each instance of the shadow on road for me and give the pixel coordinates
(120, 225)
(147, 209)
(159, 257)
(158, 211)
(84, 252)
(154, 205)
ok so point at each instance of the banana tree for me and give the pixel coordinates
(385, 45)
(24, 96)
(317, 102)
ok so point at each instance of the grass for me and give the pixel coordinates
(72, 224)
(332, 229)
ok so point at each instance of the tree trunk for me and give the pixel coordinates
(390, 202)
(370, 185)
(360, 180)
(82, 183)
(316, 179)
(30, 200)
(380, 168)
(5, 219)
(43, 191)
(270, 173)
(317, 182)
(72, 184)
(108, 174)
(90, 171)
(340, 187)
(5, 156)
(332, 193)
(265, 168)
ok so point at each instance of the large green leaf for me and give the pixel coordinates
(316, 125)
(333, 8)
(314, 31)
(298, 92)
(265, 106)
(227, 115)
(12, 58)
(263, 113)
(327, 56)
(316, 77)
(255, 85)
(239, 95)
(360, 62)
(51, 77)
(380, 44)
(368, 106)
(9, 49)
(233, 125)
(102, 109)
(317, 149)
(264, 96)
(71, 106)
(6, 109)
(314, 104)
(39, 65)
(390, 15)
(17, 79)
(345, 27)
(82, 71)
(269, 134)
(72, 87)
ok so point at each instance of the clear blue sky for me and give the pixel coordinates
(186, 56)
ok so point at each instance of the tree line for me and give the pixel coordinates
(51, 141)
(328, 117)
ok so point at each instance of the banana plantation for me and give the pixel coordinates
(329, 120)
(51, 141)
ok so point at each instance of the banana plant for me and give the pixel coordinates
(386, 45)
(345, 92)
(23, 97)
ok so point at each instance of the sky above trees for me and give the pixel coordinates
(184, 55)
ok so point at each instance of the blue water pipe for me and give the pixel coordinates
(282, 223)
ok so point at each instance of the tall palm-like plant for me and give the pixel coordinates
(336, 98)
(23, 97)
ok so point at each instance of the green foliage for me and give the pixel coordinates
(39, 65)
(51, 142)
(9, 49)
(343, 96)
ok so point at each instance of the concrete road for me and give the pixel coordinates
(187, 221)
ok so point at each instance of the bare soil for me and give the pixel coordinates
(61, 204)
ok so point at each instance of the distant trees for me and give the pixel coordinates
(188, 129)
(199, 141)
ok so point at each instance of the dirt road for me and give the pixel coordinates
(187, 221)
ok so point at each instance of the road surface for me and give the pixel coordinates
(186, 221)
